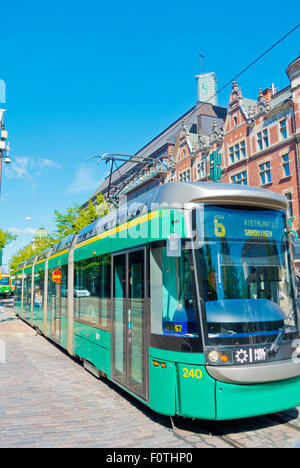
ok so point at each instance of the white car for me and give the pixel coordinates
(81, 292)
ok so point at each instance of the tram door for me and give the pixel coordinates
(129, 321)
(58, 302)
(55, 308)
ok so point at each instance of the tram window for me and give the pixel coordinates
(18, 289)
(92, 291)
(27, 290)
(38, 289)
(173, 307)
(4, 281)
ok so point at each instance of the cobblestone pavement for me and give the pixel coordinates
(49, 400)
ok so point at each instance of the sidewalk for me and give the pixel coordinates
(49, 400)
(10, 325)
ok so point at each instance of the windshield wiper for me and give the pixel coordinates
(275, 345)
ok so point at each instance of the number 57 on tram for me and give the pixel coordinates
(185, 298)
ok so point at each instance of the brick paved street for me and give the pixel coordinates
(49, 400)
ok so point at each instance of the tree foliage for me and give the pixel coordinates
(5, 238)
(75, 218)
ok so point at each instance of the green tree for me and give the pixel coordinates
(75, 218)
(5, 238)
(71, 222)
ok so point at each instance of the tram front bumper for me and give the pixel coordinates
(235, 401)
(209, 398)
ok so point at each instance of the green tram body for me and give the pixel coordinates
(6, 285)
(166, 370)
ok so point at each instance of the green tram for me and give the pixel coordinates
(6, 285)
(185, 298)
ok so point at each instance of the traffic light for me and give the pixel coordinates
(215, 166)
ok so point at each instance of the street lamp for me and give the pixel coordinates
(3, 144)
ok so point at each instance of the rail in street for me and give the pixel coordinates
(49, 400)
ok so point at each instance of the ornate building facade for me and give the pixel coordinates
(259, 143)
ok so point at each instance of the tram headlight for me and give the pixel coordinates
(213, 356)
(221, 357)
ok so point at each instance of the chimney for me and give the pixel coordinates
(267, 94)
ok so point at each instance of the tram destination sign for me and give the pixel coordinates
(238, 224)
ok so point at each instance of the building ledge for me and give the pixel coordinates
(268, 184)
(285, 179)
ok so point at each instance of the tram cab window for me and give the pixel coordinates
(173, 305)
(245, 274)
(92, 291)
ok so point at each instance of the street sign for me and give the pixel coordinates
(215, 166)
(57, 276)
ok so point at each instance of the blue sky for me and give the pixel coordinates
(85, 78)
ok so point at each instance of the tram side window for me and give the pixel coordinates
(64, 291)
(18, 289)
(92, 291)
(38, 289)
(173, 306)
(27, 291)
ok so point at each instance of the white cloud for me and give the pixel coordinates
(48, 163)
(23, 167)
(87, 179)
(19, 168)
(20, 231)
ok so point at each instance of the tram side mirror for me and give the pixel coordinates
(174, 246)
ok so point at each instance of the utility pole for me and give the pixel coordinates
(3, 144)
(3, 149)
(201, 57)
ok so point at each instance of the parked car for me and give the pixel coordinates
(79, 291)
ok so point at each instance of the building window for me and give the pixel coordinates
(235, 120)
(266, 138)
(185, 176)
(290, 204)
(243, 149)
(240, 178)
(201, 170)
(265, 172)
(236, 151)
(283, 129)
(259, 141)
(262, 140)
(286, 165)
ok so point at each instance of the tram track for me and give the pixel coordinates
(209, 433)
(184, 433)
(281, 420)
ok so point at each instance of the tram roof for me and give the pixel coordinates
(178, 195)
(63, 244)
(183, 193)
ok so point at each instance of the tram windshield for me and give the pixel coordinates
(4, 281)
(245, 270)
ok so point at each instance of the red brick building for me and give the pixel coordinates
(259, 141)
